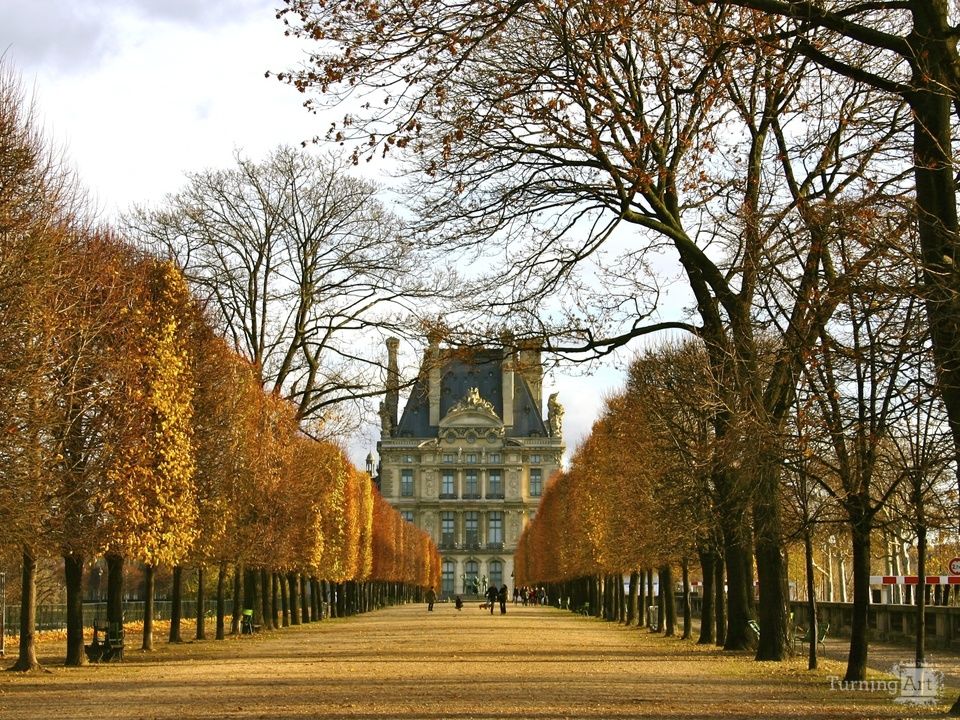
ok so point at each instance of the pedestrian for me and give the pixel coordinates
(503, 599)
(516, 594)
(492, 595)
(431, 599)
(458, 603)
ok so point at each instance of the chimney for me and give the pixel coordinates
(393, 382)
(433, 378)
(507, 381)
(530, 366)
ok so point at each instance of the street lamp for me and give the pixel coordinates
(370, 464)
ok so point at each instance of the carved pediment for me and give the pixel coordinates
(471, 411)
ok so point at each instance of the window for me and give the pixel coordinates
(406, 483)
(471, 519)
(471, 487)
(446, 528)
(496, 573)
(447, 485)
(471, 570)
(407, 515)
(495, 485)
(494, 458)
(449, 458)
(471, 458)
(407, 458)
(495, 528)
(535, 458)
(448, 570)
(536, 482)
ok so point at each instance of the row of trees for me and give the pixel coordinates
(843, 477)
(791, 163)
(130, 430)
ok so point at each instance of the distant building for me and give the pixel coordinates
(468, 458)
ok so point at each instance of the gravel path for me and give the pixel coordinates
(407, 663)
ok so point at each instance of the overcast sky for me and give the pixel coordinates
(138, 92)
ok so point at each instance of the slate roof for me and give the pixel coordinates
(459, 373)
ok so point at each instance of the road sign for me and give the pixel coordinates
(955, 566)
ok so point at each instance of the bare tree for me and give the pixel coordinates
(598, 141)
(301, 264)
(856, 376)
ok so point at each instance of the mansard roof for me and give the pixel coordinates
(460, 372)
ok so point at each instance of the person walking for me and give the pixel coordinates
(431, 599)
(503, 599)
(492, 595)
(458, 603)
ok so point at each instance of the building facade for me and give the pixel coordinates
(468, 458)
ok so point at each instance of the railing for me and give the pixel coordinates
(54, 617)
(494, 546)
(494, 496)
(448, 496)
(471, 496)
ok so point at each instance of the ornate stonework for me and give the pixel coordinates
(473, 401)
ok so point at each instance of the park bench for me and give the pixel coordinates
(803, 637)
(107, 641)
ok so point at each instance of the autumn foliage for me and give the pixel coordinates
(131, 431)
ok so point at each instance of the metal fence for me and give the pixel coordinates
(54, 617)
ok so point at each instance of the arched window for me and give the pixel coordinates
(496, 573)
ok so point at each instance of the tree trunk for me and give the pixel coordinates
(201, 605)
(221, 601)
(114, 588)
(27, 657)
(921, 596)
(237, 601)
(707, 635)
(857, 659)
(811, 599)
(719, 603)
(73, 579)
(176, 604)
(342, 599)
(265, 598)
(669, 600)
(771, 569)
(632, 598)
(738, 598)
(275, 584)
(149, 582)
(304, 607)
(284, 604)
(687, 620)
(294, 597)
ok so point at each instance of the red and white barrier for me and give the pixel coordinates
(914, 580)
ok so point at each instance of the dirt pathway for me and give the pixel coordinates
(406, 663)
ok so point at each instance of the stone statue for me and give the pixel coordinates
(555, 415)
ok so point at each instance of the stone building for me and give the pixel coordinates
(468, 458)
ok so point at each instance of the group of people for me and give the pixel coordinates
(494, 595)
(530, 595)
